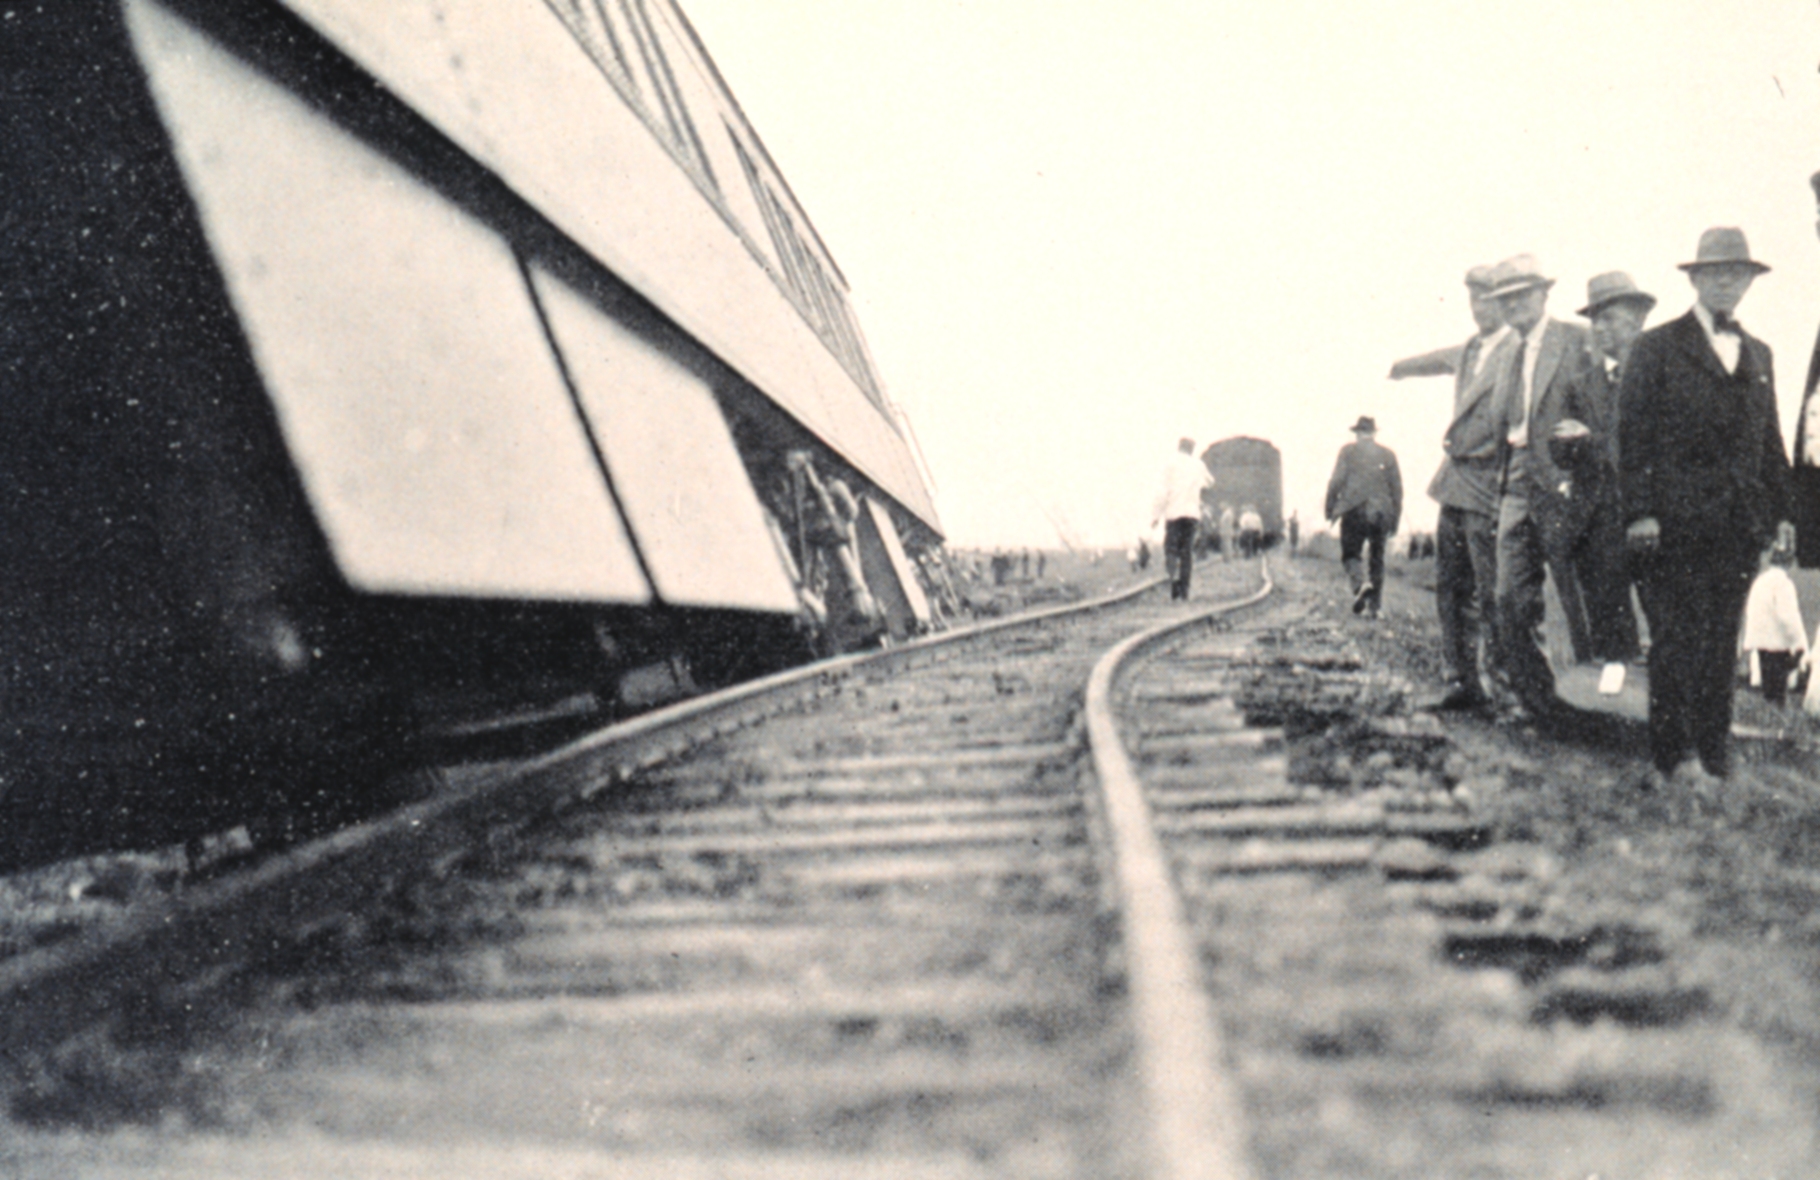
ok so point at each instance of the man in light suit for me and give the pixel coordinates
(1546, 357)
(1466, 487)
(1705, 490)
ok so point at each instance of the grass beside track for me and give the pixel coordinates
(1726, 875)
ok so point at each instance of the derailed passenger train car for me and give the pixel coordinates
(1247, 471)
(375, 371)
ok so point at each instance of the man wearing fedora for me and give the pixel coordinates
(1365, 495)
(1546, 358)
(1705, 488)
(1466, 487)
(1581, 519)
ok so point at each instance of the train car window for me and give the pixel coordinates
(675, 468)
(589, 24)
(659, 46)
(622, 39)
(418, 396)
(807, 284)
(603, 30)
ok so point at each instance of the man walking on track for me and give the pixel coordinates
(1366, 496)
(1179, 505)
(1705, 490)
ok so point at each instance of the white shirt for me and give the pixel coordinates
(1772, 614)
(1726, 344)
(1487, 346)
(1810, 440)
(1183, 480)
(1532, 348)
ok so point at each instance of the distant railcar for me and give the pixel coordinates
(1246, 471)
(383, 373)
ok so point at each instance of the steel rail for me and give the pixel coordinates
(51, 994)
(1196, 1127)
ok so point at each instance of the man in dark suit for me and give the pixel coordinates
(1466, 487)
(1805, 489)
(1705, 487)
(1582, 520)
(1546, 358)
(1365, 495)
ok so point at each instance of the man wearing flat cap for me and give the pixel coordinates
(1365, 494)
(1581, 519)
(1547, 357)
(1705, 489)
(1466, 487)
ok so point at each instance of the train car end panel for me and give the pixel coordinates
(425, 412)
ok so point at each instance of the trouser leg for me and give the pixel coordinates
(1776, 667)
(1352, 545)
(1178, 544)
(1669, 736)
(1605, 582)
(1727, 587)
(1695, 606)
(1520, 579)
(1456, 598)
(1563, 560)
(1482, 547)
(1375, 540)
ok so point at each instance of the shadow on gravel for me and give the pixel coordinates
(1597, 731)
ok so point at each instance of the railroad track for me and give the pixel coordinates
(956, 911)
(873, 935)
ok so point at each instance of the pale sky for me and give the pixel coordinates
(1076, 231)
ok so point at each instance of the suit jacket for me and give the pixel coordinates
(1699, 449)
(1590, 465)
(1805, 487)
(1564, 353)
(1468, 475)
(1366, 476)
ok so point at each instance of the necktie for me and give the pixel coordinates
(1723, 322)
(1522, 407)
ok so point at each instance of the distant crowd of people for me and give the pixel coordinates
(1607, 456)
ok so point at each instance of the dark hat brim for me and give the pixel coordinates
(1756, 267)
(1592, 309)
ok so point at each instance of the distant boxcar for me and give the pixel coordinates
(1246, 471)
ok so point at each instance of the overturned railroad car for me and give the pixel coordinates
(1247, 471)
(383, 377)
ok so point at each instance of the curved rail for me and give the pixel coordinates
(47, 995)
(1196, 1129)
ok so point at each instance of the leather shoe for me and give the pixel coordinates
(1362, 599)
